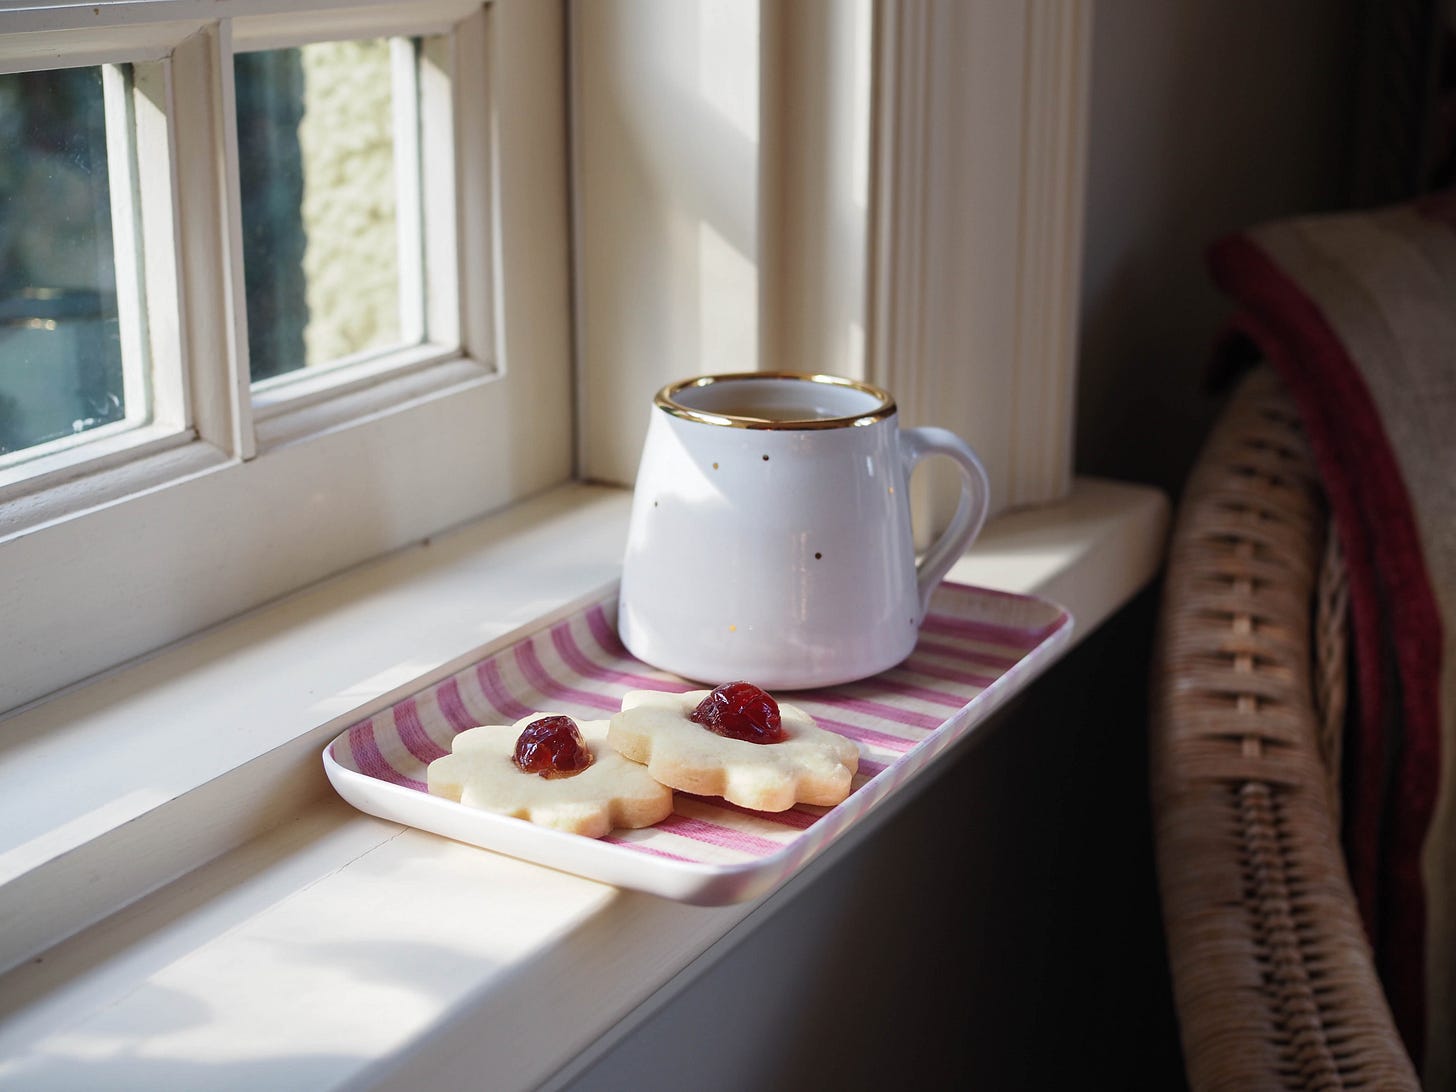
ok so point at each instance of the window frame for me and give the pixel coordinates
(142, 197)
(975, 283)
(955, 285)
(440, 313)
(163, 541)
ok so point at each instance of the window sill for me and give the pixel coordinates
(320, 946)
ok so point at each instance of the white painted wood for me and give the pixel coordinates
(934, 247)
(944, 287)
(194, 551)
(814, 180)
(107, 468)
(308, 387)
(280, 30)
(147, 784)
(141, 185)
(721, 193)
(899, 216)
(326, 921)
(476, 271)
(340, 952)
(25, 50)
(157, 184)
(100, 21)
(145, 459)
(666, 177)
(128, 561)
(441, 190)
(126, 242)
(977, 235)
(1090, 551)
(235, 360)
(443, 162)
(67, 457)
(408, 179)
(204, 257)
(1054, 177)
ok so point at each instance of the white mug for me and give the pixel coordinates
(770, 535)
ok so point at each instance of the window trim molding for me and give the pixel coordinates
(173, 542)
(458, 315)
(965, 265)
(106, 20)
(1012, 82)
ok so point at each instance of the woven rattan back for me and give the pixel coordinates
(1272, 975)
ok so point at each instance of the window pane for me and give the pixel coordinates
(60, 349)
(316, 149)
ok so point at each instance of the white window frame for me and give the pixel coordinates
(434, 327)
(250, 498)
(976, 260)
(139, 158)
(955, 284)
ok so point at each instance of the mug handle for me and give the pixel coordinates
(917, 444)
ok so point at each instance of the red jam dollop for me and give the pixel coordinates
(552, 747)
(740, 710)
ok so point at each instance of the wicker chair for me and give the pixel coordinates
(1273, 978)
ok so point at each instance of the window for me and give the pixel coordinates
(955, 259)
(329, 203)
(263, 328)
(349, 238)
(78, 377)
(63, 373)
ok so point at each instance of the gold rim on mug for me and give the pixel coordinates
(666, 400)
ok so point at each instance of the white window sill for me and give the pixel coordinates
(322, 947)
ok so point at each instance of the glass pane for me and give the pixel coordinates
(60, 346)
(316, 150)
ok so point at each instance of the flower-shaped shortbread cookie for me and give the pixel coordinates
(809, 766)
(481, 772)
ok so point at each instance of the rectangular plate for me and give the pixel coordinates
(976, 649)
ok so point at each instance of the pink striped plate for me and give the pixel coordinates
(976, 649)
